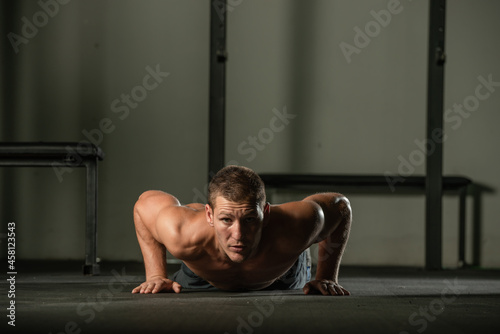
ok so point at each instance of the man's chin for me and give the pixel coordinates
(237, 257)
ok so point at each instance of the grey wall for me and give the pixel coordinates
(357, 115)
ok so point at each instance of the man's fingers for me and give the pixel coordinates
(346, 293)
(136, 289)
(312, 288)
(331, 289)
(156, 288)
(315, 288)
(339, 290)
(306, 288)
(176, 287)
(334, 290)
(323, 288)
(147, 288)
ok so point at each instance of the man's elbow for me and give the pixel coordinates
(335, 204)
(343, 206)
(338, 214)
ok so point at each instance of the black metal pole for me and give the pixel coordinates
(9, 13)
(218, 57)
(461, 227)
(434, 163)
(91, 267)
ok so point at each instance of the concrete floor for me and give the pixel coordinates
(55, 298)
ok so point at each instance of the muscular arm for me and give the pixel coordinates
(332, 239)
(147, 212)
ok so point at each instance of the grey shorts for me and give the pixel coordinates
(295, 278)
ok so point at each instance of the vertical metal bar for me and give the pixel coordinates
(461, 227)
(476, 224)
(218, 57)
(434, 163)
(91, 267)
(9, 14)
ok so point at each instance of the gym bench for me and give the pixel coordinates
(450, 183)
(62, 157)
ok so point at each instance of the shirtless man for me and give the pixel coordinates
(238, 241)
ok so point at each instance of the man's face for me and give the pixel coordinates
(238, 227)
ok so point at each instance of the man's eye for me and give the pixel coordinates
(226, 220)
(250, 219)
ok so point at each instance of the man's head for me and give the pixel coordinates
(237, 184)
(237, 210)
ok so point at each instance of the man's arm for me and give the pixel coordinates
(332, 242)
(147, 211)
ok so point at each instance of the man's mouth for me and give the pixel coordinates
(237, 248)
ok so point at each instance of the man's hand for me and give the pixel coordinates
(158, 284)
(325, 287)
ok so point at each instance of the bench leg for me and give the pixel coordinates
(461, 227)
(91, 267)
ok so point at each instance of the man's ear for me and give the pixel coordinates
(209, 213)
(267, 213)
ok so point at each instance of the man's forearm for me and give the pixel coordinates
(155, 261)
(329, 257)
(331, 249)
(153, 252)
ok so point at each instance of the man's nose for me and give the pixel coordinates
(237, 231)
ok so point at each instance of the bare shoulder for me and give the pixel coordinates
(310, 220)
(149, 206)
(297, 223)
(181, 228)
(299, 211)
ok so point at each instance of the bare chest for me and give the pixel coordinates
(254, 274)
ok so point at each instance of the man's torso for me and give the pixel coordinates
(278, 250)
